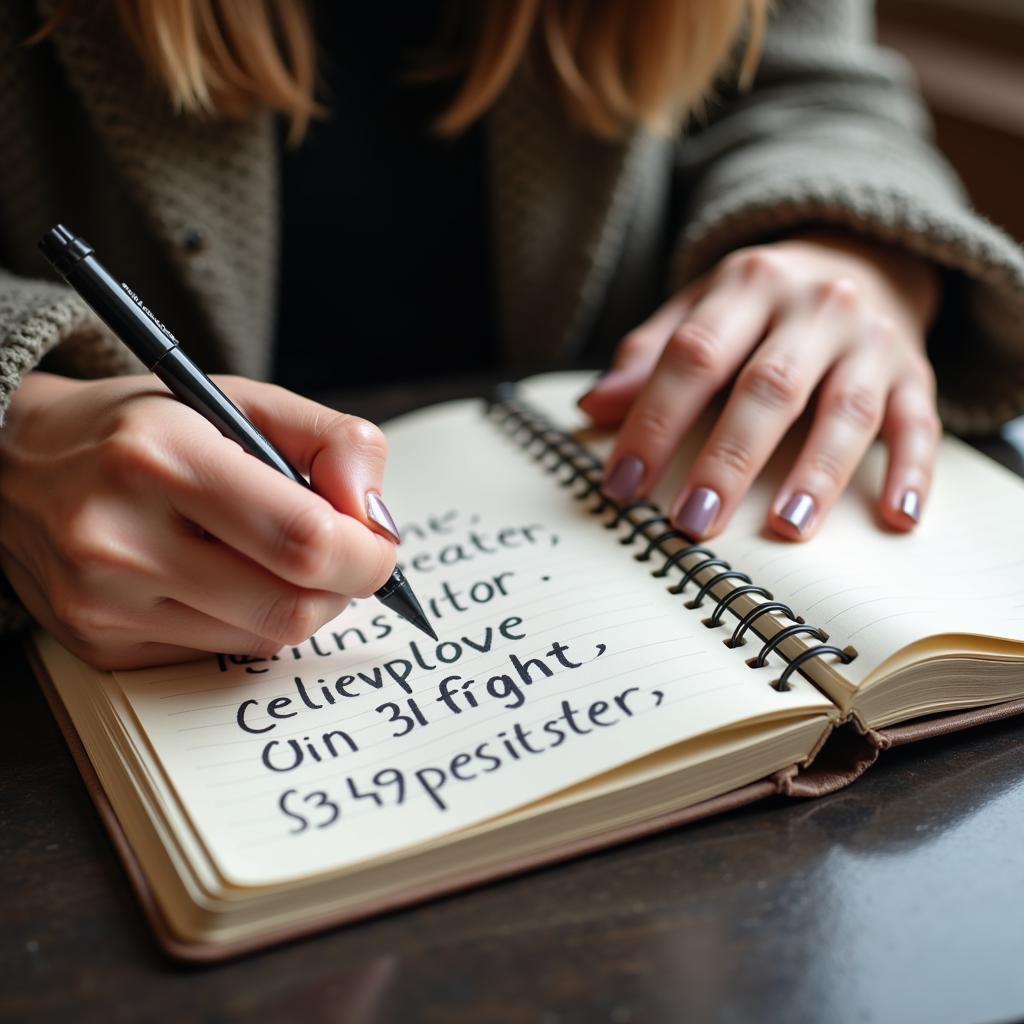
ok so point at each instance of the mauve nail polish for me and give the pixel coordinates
(798, 510)
(378, 512)
(910, 505)
(698, 512)
(624, 479)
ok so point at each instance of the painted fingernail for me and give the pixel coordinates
(624, 478)
(598, 384)
(799, 510)
(910, 505)
(611, 375)
(697, 512)
(378, 512)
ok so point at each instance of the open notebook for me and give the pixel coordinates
(595, 679)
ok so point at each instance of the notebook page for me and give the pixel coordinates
(559, 658)
(960, 571)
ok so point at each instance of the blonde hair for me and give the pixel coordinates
(614, 63)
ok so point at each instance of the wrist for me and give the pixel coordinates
(914, 280)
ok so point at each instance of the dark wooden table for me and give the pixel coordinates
(898, 899)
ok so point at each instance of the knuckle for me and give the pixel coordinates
(654, 426)
(120, 453)
(838, 293)
(857, 405)
(84, 545)
(73, 538)
(694, 347)
(831, 467)
(776, 383)
(754, 265)
(128, 456)
(307, 539)
(82, 616)
(289, 618)
(363, 437)
(731, 454)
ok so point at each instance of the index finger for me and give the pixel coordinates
(343, 455)
(701, 354)
(290, 530)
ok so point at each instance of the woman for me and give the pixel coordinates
(798, 235)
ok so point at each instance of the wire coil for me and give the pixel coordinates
(644, 521)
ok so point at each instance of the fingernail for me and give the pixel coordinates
(378, 512)
(599, 382)
(799, 510)
(624, 478)
(607, 376)
(910, 505)
(698, 512)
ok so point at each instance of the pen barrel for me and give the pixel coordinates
(136, 325)
(190, 385)
(148, 339)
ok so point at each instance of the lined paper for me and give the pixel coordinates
(559, 658)
(960, 571)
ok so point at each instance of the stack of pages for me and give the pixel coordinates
(596, 677)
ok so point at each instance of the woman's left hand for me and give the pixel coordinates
(821, 312)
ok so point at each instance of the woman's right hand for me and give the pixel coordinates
(137, 534)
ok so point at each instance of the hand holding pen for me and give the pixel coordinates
(138, 534)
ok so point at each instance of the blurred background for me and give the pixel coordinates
(969, 59)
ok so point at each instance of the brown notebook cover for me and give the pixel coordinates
(845, 756)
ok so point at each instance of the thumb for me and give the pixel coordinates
(342, 455)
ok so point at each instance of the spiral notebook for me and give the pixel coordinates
(597, 677)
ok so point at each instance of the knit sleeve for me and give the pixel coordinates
(832, 132)
(42, 320)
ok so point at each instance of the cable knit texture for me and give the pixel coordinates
(831, 133)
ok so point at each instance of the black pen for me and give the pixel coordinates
(131, 321)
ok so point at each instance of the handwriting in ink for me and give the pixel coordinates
(441, 781)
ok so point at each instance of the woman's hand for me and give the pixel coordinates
(137, 534)
(821, 313)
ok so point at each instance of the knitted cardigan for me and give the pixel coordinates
(588, 235)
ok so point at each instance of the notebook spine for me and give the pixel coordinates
(697, 567)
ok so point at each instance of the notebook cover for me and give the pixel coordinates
(201, 952)
(845, 756)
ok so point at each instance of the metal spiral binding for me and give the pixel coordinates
(562, 455)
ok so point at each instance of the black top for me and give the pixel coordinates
(384, 257)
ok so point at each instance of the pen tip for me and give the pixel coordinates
(415, 615)
(419, 620)
(400, 598)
